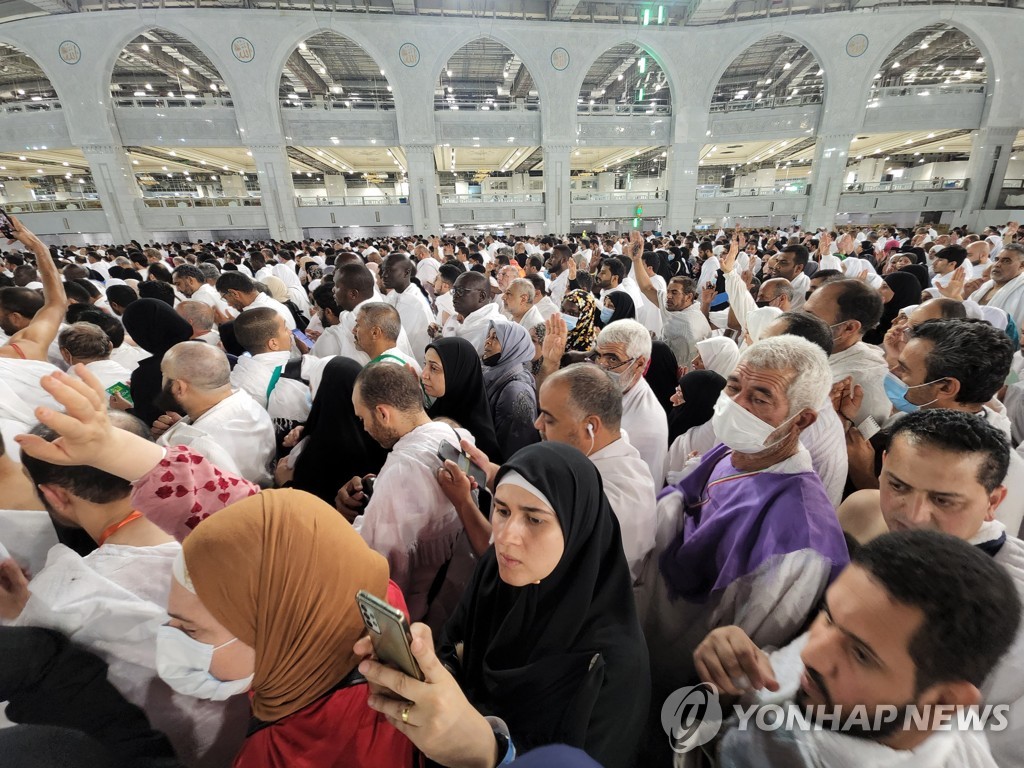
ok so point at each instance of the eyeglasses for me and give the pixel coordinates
(458, 293)
(611, 362)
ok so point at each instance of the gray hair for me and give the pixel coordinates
(210, 271)
(85, 341)
(204, 366)
(381, 315)
(591, 392)
(812, 379)
(782, 287)
(521, 287)
(629, 332)
(196, 314)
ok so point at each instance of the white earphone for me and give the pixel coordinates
(590, 429)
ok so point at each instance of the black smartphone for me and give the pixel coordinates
(389, 633)
(6, 225)
(448, 452)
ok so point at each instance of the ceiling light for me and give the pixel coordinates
(896, 65)
(184, 70)
(39, 170)
(135, 162)
(21, 91)
(190, 95)
(323, 70)
(248, 153)
(149, 87)
(787, 65)
(21, 157)
(981, 60)
(620, 77)
(450, 89)
(821, 72)
(224, 167)
(171, 94)
(139, 93)
(213, 87)
(164, 167)
(768, 81)
(448, 72)
(65, 164)
(302, 46)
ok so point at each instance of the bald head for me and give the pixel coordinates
(979, 251)
(937, 309)
(198, 315)
(203, 366)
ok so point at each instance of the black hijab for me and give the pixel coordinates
(156, 328)
(662, 373)
(700, 392)
(920, 271)
(338, 447)
(625, 308)
(905, 291)
(530, 653)
(465, 398)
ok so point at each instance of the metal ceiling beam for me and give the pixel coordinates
(169, 66)
(55, 6)
(404, 6)
(301, 69)
(562, 10)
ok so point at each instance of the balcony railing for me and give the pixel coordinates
(768, 102)
(336, 103)
(519, 105)
(788, 190)
(173, 102)
(201, 202)
(622, 110)
(56, 206)
(935, 185)
(30, 105)
(618, 197)
(526, 197)
(1013, 184)
(314, 202)
(899, 91)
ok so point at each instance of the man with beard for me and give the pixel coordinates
(558, 267)
(1005, 289)
(402, 512)
(227, 427)
(919, 619)
(405, 296)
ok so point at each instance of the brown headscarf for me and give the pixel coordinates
(280, 570)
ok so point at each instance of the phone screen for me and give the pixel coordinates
(303, 338)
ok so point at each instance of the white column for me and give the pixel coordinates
(277, 192)
(681, 168)
(827, 173)
(990, 155)
(119, 193)
(557, 191)
(426, 218)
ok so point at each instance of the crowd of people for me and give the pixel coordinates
(592, 471)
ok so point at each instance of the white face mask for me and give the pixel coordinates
(184, 664)
(741, 430)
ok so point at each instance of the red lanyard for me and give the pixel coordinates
(111, 530)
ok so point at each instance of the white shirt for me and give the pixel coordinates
(414, 311)
(207, 294)
(475, 327)
(866, 365)
(630, 490)
(129, 355)
(398, 357)
(444, 306)
(978, 270)
(547, 307)
(826, 442)
(427, 269)
(236, 435)
(112, 602)
(644, 420)
(409, 520)
(801, 285)
(262, 300)
(531, 318)
(682, 329)
(284, 398)
(109, 372)
(1009, 297)
(558, 287)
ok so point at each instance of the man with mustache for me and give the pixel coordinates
(943, 471)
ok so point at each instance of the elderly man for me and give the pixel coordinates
(624, 350)
(227, 427)
(912, 627)
(426, 263)
(201, 317)
(376, 333)
(89, 344)
(541, 300)
(581, 406)
(749, 537)
(518, 300)
(405, 296)
(1005, 289)
(945, 470)
(851, 309)
(404, 514)
(471, 297)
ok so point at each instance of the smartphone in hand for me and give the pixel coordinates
(389, 632)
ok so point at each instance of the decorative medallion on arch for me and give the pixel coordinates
(409, 55)
(243, 50)
(560, 59)
(69, 52)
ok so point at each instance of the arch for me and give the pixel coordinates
(941, 53)
(485, 73)
(22, 80)
(337, 69)
(161, 62)
(774, 71)
(629, 74)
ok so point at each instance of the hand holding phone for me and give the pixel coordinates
(389, 632)
(6, 225)
(448, 452)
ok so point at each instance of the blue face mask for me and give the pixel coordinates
(570, 321)
(896, 391)
(606, 314)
